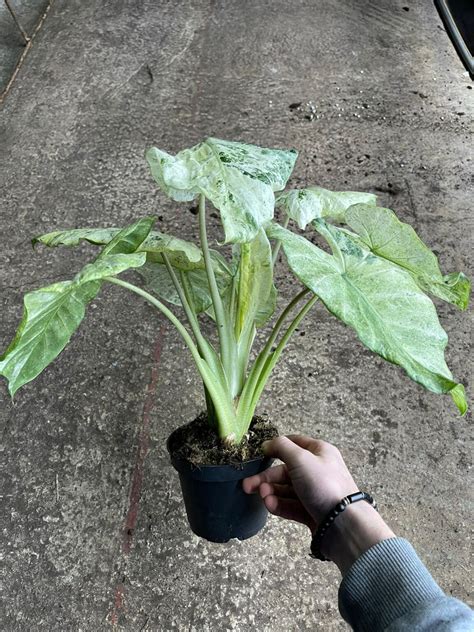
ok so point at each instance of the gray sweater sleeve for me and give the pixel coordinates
(389, 588)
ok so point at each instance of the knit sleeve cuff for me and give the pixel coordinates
(385, 582)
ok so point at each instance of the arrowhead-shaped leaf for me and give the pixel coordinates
(52, 314)
(239, 179)
(182, 254)
(380, 301)
(304, 205)
(385, 235)
(50, 317)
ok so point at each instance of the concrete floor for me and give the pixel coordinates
(28, 13)
(95, 533)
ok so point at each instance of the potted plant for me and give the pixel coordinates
(374, 274)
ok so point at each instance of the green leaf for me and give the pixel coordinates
(239, 179)
(182, 254)
(96, 236)
(158, 280)
(304, 205)
(110, 265)
(50, 317)
(116, 240)
(130, 238)
(386, 236)
(173, 174)
(52, 314)
(380, 301)
(255, 284)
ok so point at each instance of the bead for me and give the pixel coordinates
(332, 515)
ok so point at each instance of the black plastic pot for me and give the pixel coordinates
(218, 509)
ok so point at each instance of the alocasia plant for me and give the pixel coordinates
(375, 280)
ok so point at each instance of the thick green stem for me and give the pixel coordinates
(223, 406)
(202, 343)
(223, 328)
(208, 350)
(277, 246)
(233, 301)
(265, 362)
(274, 357)
(265, 352)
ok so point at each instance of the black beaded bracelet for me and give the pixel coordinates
(331, 516)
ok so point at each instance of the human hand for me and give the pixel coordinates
(312, 479)
(306, 487)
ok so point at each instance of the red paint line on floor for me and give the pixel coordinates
(118, 603)
(138, 472)
(143, 446)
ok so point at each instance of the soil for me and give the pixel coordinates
(198, 443)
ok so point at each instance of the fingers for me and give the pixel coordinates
(289, 508)
(278, 474)
(308, 443)
(274, 489)
(282, 448)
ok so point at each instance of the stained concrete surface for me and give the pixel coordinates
(95, 534)
(12, 43)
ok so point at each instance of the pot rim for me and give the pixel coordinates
(224, 471)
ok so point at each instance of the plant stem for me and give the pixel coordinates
(233, 299)
(266, 360)
(207, 350)
(223, 407)
(276, 249)
(191, 315)
(163, 309)
(274, 357)
(282, 318)
(221, 321)
(254, 374)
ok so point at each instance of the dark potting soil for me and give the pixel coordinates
(198, 443)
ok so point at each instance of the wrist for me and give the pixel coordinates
(353, 533)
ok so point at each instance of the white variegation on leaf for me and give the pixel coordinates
(374, 280)
(182, 254)
(239, 179)
(173, 174)
(304, 205)
(380, 301)
(158, 280)
(52, 314)
(255, 279)
(386, 236)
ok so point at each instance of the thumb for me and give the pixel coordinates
(284, 449)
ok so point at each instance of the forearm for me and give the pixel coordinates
(353, 533)
(385, 585)
(389, 588)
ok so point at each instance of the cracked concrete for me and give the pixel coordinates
(393, 115)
